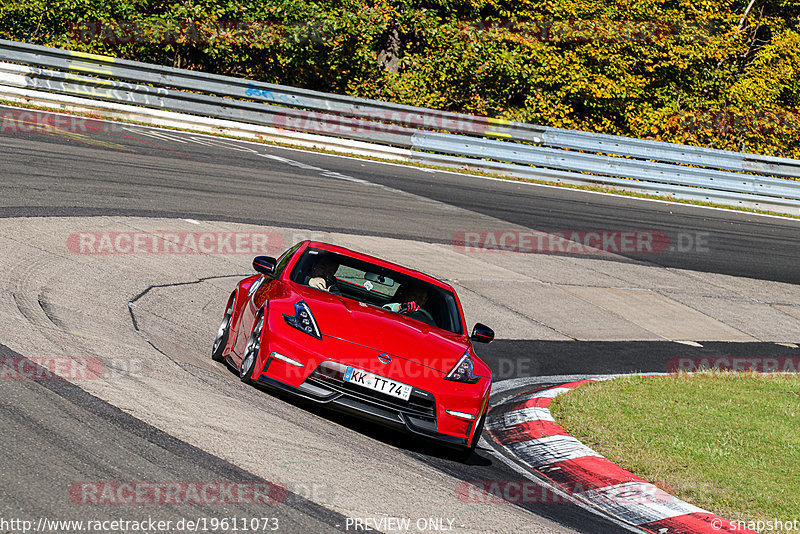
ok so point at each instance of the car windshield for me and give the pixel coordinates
(378, 286)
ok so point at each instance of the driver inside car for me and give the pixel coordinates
(322, 274)
(412, 299)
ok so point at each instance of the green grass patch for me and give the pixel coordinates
(727, 442)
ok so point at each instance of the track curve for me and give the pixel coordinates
(141, 180)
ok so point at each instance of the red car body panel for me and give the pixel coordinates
(354, 334)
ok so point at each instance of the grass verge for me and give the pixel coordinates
(727, 442)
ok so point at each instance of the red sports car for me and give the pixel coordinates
(362, 335)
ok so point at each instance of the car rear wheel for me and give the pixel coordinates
(223, 334)
(251, 352)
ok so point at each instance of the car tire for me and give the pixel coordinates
(224, 332)
(478, 431)
(251, 352)
(464, 453)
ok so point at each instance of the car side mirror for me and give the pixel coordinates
(265, 265)
(482, 333)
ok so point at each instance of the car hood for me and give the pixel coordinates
(384, 330)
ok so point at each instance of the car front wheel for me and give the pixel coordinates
(251, 352)
(463, 454)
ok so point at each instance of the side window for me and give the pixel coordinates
(284, 259)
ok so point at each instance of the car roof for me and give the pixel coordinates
(383, 263)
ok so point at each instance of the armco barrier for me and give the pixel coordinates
(654, 173)
(435, 137)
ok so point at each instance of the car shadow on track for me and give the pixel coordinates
(407, 442)
(482, 466)
(517, 358)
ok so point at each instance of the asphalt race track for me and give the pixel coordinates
(189, 419)
(154, 176)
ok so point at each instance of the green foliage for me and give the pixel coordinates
(695, 72)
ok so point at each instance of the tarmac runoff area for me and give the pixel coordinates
(61, 301)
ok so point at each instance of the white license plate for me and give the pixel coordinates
(377, 383)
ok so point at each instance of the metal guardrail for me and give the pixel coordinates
(632, 169)
(481, 143)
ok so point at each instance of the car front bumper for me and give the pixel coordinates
(418, 415)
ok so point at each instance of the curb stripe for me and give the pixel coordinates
(551, 449)
(525, 427)
(589, 473)
(577, 383)
(638, 503)
(527, 415)
(552, 392)
(527, 431)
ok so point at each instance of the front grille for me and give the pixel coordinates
(421, 404)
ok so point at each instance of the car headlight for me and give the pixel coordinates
(303, 320)
(462, 371)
